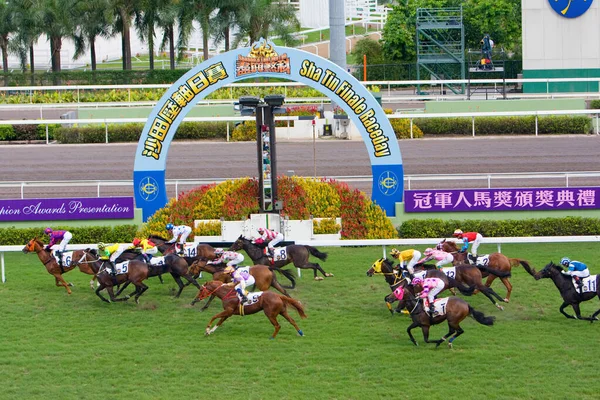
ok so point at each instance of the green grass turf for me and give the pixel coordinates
(56, 346)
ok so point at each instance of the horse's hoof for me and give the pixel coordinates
(300, 333)
(207, 332)
(318, 278)
(71, 284)
(506, 300)
(500, 307)
(449, 345)
(329, 274)
(137, 301)
(271, 338)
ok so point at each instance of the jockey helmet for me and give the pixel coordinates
(428, 251)
(565, 261)
(48, 231)
(169, 226)
(416, 281)
(229, 269)
(218, 250)
(101, 246)
(136, 242)
(261, 230)
(395, 253)
(457, 232)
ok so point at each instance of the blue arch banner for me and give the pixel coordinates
(264, 59)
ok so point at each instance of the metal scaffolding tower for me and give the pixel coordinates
(441, 46)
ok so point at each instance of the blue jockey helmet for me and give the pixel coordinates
(565, 261)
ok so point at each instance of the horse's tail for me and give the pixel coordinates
(517, 261)
(287, 274)
(464, 289)
(294, 303)
(494, 271)
(480, 317)
(313, 250)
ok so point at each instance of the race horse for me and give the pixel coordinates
(273, 304)
(471, 276)
(295, 253)
(203, 251)
(135, 272)
(79, 259)
(568, 291)
(495, 261)
(385, 267)
(37, 246)
(264, 277)
(452, 309)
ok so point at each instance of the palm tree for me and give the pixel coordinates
(173, 13)
(57, 23)
(225, 20)
(124, 11)
(261, 18)
(7, 27)
(93, 19)
(28, 17)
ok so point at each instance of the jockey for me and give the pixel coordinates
(147, 246)
(55, 236)
(111, 253)
(241, 279)
(410, 255)
(270, 237)
(577, 270)
(181, 232)
(431, 287)
(231, 258)
(442, 257)
(469, 237)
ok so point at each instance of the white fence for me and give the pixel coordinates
(409, 180)
(372, 242)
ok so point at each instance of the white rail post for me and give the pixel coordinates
(536, 125)
(411, 128)
(105, 132)
(47, 136)
(2, 262)
(228, 131)
(473, 125)
(384, 252)
(597, 130)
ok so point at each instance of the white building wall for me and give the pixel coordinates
(551, 41)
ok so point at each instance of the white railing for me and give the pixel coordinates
(408, 180)
(371, 242)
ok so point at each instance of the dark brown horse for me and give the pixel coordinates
(384, 267)
(264, 277)
(87, 267)
(570, 295)
(495, 261)
(37, 246)
(294, 253)
(273, 304)
(451, 309)
(472, 276)
(137, 271)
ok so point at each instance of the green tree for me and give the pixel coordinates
(7, 27)
(93, 19)
(263, 18)
(370, 48)
(124, 11)
(57, 23)
(500, 18)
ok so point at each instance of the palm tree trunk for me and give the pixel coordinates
(171, 47)
(151, 47)
(126, 41)
(226, 34)
(93, 52)
(55, 46)
(31, 59)
(4, 47)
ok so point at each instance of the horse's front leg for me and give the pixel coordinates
(179, 283)
(563, 312)
(578, 313)
(61, 282)
(210, 299)
(425, 329)
(410, 335)
(98, 290)
(111, 293)
(325, 274)
(223, 315)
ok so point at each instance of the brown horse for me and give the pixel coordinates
(273, 304)
(472, 276)
(202, 251)
(137, 271)
(294, 253)
(496, 261)
(87, 267)
(453, 309)
(37, 246)
(384, 267)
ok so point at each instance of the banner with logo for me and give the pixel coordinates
(522, 199)
(264, 59)
(66, 209)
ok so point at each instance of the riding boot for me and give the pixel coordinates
(579, 284)
(59, 256)
(271, 253)
(113, 268)
(181, 250)
(431, 309)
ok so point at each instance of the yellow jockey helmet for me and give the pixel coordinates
(229, 269)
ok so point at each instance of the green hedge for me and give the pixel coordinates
(567, 226)
(131, 132)
(562, 124)
(81, 234)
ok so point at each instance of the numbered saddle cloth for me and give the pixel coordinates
(440, 306)
(67, 256)
(253, 297)
(589, 284)
(121, 268)
(280, 253)
(189, 250)
(157, 261)
(449, 271)
(482, 260)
